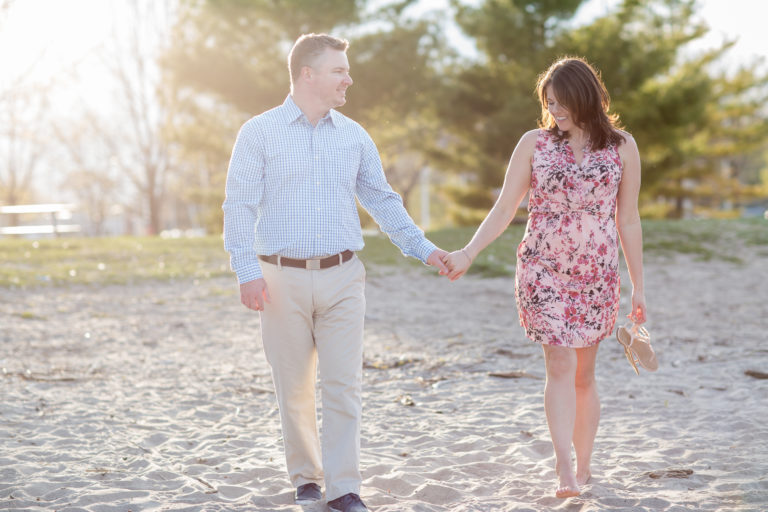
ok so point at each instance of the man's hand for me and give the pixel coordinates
(254, 293)
(436, 260)
(458, 262)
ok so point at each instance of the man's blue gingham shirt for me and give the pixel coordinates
(291, 191)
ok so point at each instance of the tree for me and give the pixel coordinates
(235, 51)
(488, 103)
(201, 138)
(133, 133)
(396, 77)
(24, 140)
(142, 153)
(92, 178)
(228, 63)
(685, 117)
(24, 110)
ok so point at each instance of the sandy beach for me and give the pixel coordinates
(158, 397)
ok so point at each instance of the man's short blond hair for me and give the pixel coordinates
(310, 46)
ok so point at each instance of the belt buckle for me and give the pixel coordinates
(313, 264)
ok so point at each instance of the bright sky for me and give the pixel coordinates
(51, 36)
(57, 39)
(744, 19)
(60, 35)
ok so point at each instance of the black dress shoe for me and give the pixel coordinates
(307, 494)
(348, 503)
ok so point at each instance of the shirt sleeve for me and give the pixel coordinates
(386, 206)
(244, 189)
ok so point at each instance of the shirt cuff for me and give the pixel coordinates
(424, 249)
(249, 273)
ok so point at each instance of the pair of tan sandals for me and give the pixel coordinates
(637, 347)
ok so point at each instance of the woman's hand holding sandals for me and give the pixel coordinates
(638, 314)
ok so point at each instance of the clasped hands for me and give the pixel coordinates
(254, 294)
(453, 265)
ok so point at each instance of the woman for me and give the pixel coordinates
(581, 171)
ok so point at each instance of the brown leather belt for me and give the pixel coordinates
(314, 264)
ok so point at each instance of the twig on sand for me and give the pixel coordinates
(28, 375)
(756, 374)
(389, 365)
(671, 473)
(212, 490)
(519, 374)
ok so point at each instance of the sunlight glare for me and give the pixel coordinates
(42, 38)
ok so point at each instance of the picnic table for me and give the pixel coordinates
(56, 212)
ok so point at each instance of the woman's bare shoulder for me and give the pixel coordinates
(627, 137)
(627, 144)
(530, 137)
(527, 143)
(534, 134)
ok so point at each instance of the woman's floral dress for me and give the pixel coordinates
(567, 279)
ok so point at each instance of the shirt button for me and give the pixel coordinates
(318, 236)
(317, 182)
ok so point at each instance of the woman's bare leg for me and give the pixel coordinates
(560, 406)
(587, 412)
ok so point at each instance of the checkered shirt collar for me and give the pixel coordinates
(293, 113)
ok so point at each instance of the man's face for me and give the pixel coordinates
(329, 78)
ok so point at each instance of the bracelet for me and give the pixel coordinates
(466, 255)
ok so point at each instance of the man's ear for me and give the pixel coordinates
(306, 73)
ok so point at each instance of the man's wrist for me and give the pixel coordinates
(426, 250)
(250, 273)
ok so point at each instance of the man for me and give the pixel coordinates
(294, 175)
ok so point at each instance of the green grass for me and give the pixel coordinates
(706, 239)
(498, 259)
(124, 260)
(109, 260)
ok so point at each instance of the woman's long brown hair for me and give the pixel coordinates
(578, 87)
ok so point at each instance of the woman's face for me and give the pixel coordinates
(561, 114)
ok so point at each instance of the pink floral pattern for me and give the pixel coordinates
(567, 278)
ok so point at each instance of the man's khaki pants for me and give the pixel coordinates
(317, 316)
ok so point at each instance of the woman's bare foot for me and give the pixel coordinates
(568, 486)
(565, 491)
(583, 478)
